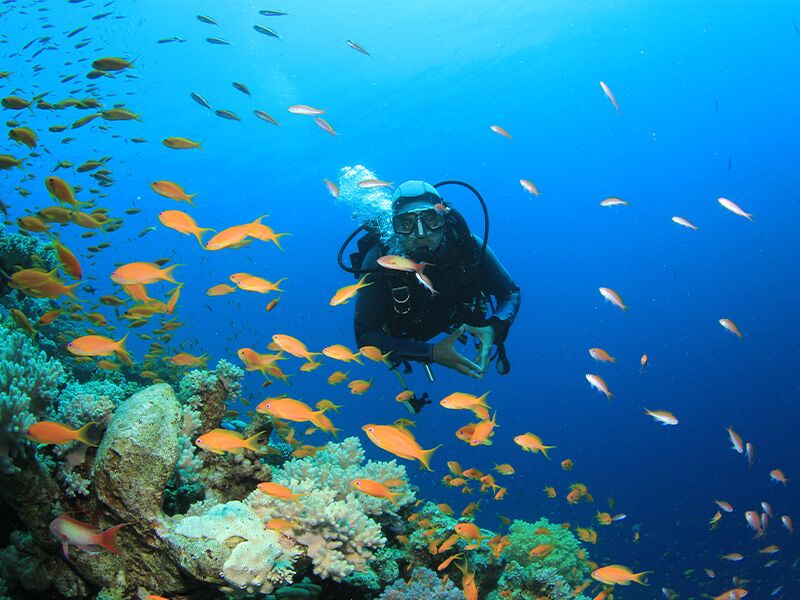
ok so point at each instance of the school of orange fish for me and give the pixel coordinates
(143, 307)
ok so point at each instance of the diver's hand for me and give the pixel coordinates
(444, 353)
(485, 336)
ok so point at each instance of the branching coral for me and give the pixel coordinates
(335, 522)
(28, 381)
(423, 583)
(526, 577)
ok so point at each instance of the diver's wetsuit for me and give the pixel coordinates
(384, 319)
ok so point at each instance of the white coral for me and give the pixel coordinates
(332, 518)
(258, 560)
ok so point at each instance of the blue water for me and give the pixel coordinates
(708, 108)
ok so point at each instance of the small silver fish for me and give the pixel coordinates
(272, 13)
(200, 100)
(147, 230)
(218, 41)
(206, 19)
(358, 47)
(264, 117)
(265, 31)
(241, 87)
(227, 114)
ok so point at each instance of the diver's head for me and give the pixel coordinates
(418, 218)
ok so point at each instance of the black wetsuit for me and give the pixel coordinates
(398, 315)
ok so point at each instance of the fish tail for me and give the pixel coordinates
(198, 233)
(425, 459)
(638, 577)
(167, 273)
(257, 442)
(108, 538)
(277, 283)
(355, 358)
(276, 239)
(545, 449)
(88, 434)
(258, 220)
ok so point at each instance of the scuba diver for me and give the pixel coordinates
(400, 316)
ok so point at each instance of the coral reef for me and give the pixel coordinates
(335, 522)
(423, 583)
(527, 577)
(29, 380)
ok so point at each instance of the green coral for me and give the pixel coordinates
(528, 577)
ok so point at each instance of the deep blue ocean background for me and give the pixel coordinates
(708, 95)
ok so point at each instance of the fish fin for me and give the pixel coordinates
(108, 538)
(168, 273)
(257, 442)
(425, 459)
(89, 434)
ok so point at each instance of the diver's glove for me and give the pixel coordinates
(417, 402)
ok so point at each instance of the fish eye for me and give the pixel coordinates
(371, 429)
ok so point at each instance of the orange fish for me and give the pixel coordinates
(726, 506)
(333, 189)
(71, 532)
(340, 352)
(182, 223)
(337, 377)
(50, 432)
(374, 354)
(293, 346)
(220, 441)
(601, 355)
(67, 259)
(279, 524)
(232, 237)
(220, 290)
(529, 187)
(643, 363)
(504, 469)
(400, 442)
(542, 550)
(172, 190)
(289, 409)
(599, 384)
(98, 345)
(567, 464)
(612, 297)
(359, 386)
(376, 490)
(461, 400)
(500, 131)
(446, 563)
(251, 283)
(469, 532)
(532, 443)
(276, 490)
(483, 431)
(265, 233)
(272, 304)
(184, 359)
(618, 575)
(731, 326)
(778, 476)
(550, 491)
(142, 273)
(736, 441)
